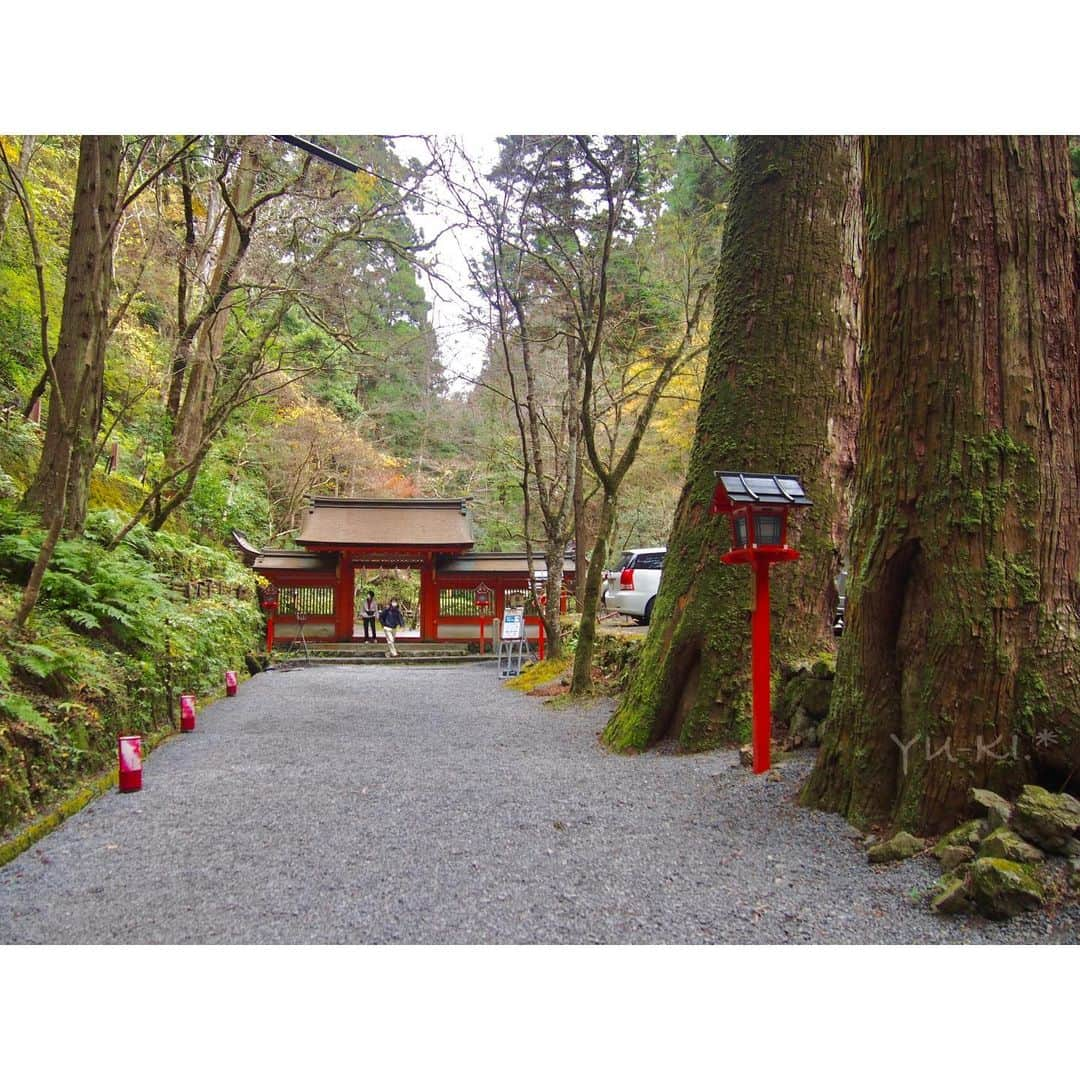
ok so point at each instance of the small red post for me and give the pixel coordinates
(270, 632)
(481, 636)
(230, 684)
(759, 664)
(129, 758)
(187, 712)
(540, 641)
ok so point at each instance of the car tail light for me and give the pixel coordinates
(626, 579)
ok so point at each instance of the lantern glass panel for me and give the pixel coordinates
(739, 521)
(767, 528)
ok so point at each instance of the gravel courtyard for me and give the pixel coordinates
(432, 805)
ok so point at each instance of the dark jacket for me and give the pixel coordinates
(392, 617)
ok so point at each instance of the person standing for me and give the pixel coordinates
(369, 612)
(392, 620)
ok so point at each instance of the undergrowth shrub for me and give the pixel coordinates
(109, 646)
(20, 447)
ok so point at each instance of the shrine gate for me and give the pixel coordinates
(317, 584)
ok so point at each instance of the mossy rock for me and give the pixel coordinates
(954, 855)
(1048, 820)
(1003, 843)
(804, 691)
(902, 846)
(1001, 888)
(824, 669)
(803, 731)
(816, 698)
(998, 810)
(951, 895)
(789, 696)
(969, 835)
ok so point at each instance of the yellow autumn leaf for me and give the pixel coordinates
(363, 189)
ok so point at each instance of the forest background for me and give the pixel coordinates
(258, 331)
(765, 71)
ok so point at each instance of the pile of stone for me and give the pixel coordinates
(802, 701)
(996, 863)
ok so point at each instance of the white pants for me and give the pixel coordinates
(389, 631)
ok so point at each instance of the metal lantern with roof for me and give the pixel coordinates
(758, 505)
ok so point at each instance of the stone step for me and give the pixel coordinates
(299, 660)
(406, 648)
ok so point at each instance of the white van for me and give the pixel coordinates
(632, 586)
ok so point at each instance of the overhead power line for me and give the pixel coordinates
(320, 152)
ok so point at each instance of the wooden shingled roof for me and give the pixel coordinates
(283, 559)
(387, 523)
(305, 561)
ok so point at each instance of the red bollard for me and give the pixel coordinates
(230, 684)
(187, 712)
(129, 755)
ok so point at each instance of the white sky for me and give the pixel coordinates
(461, 346)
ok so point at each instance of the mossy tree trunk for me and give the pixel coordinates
(778, 397)
(959, 662)
(61, 484)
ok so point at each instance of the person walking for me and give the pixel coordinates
(369, 612)
(392, 620)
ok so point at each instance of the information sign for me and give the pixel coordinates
(513, 624)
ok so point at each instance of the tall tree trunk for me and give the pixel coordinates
(959, 663)
(776, 399)
(200, 364)
(583, 656)
(185, 273)
(79, 364)
(582, 545)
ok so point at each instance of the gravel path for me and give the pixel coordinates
(423, 804)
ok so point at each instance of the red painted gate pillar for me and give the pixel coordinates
(429, 601)
(344, 615)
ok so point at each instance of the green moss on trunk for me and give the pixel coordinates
(779, 396)
(957, 667)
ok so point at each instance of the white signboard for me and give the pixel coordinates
(513, 624)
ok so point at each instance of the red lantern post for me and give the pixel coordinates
(758, 505)
(187, 712)
(269, 599)
(129, 760)
(482, 601)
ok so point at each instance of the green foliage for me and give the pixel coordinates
(229, 496)
(18, 708)
(19, 449)
(109, 646)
